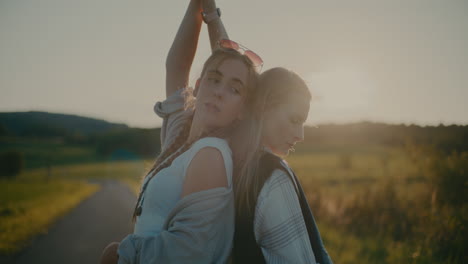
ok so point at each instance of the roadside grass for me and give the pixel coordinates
(133, 183)
(28, 207)
(332, 179)
(129, 173)
(116, 170)
(37, 197)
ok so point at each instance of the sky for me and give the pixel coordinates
(393, 61)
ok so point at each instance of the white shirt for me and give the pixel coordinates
(279, 226)
(164, 189)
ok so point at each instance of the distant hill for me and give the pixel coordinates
(76, 138)
(42, 138)
(43, 124)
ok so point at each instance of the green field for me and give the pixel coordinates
(341, 175)
(29, 205)
(373, 204)
(33, 200)
(333, 180)
(387, 205)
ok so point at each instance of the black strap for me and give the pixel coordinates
(312, 229)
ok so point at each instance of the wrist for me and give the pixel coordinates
(208, 5)
(209, 16)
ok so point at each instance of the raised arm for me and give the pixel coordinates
(216, 28)
(180, 57)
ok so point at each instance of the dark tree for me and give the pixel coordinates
(11, 164)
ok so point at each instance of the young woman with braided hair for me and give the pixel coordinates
(274, 223)
(185, 209)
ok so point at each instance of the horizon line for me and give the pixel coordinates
(307, 124)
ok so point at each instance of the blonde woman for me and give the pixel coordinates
(274, 223)
(185, 210)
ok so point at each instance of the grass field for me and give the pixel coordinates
(333, 179)
(341, 175)
(37, 197)
(28, 206)
(369, 187)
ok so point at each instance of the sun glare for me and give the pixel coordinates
(342, 88)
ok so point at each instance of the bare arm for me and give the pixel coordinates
(216, 28)
(182, 52)
(206, 171)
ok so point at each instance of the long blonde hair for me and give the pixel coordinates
(275, 87)
(181, 142)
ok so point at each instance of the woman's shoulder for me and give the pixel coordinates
(210, 152)
(279, 179)
(279, 184)
(277, 209)
(213, 142)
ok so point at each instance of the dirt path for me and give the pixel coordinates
(80, 236)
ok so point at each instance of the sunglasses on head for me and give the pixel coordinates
(257, 62)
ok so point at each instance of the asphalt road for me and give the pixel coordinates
(80, 236)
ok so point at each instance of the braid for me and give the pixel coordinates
(179, 140)
(165, 158)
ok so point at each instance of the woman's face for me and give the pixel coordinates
(284, 124)
(220, 94)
